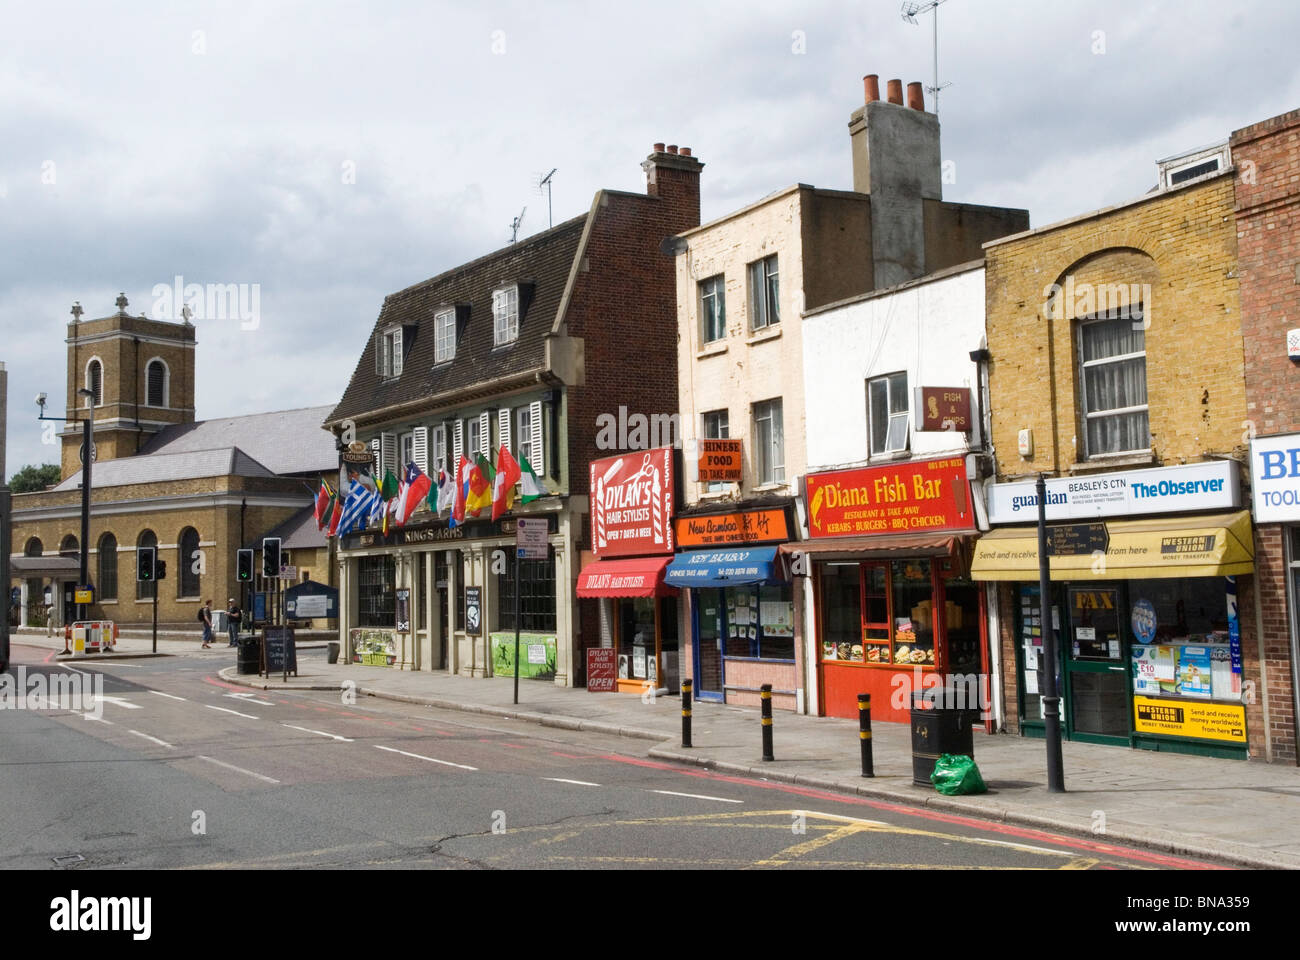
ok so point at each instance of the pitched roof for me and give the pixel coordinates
(284, 441)
(170, 467)
(540, 264)
(299, 532)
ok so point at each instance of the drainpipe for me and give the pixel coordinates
(139, 431)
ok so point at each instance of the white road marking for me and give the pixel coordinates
(580, 783)
(417, 756)
(249, 698)
(161, 743)
(247, 716)
(91, 716)
(169, 696)
(84, 673)
(119, 702)
(231, 766)
(319, 733)
(696, 796)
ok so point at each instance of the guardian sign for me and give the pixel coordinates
(1275, 478)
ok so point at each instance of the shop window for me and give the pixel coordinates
(376, 591)
(1181, 645)
(887, 414)
(769, 443)
(146, 590)
(187, 577)
(841, 611)
(1113, 384)
(758, 622)
(764, 293)
(636, 639)
(713, 309)
(879, 613)
(107, 567)
(536, 595)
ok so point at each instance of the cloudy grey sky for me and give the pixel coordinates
(333, 152)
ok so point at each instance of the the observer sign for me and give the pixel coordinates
(1275, 478)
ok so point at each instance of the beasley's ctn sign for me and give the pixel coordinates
(1275, 478)
(897, 498)
(632, 504)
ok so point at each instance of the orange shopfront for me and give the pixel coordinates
(895, 609)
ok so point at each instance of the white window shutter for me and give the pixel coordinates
(503, 427)
(397, 352)
(457, 445)
(485, 434)
(387, 454)
(439, 450)
(420, 449)
(537, 441)
(377, 460)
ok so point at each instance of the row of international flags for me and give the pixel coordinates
(475, 487)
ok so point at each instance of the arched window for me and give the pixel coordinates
(34, 548)
(95, 380)
(108, 567)
(146, 590)
(69, 547)
(187, 579)
(157, 381)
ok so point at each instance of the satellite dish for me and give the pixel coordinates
(673, 246)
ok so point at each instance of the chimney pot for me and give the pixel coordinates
(685, 151)
(672, 148)
(871, 84)
(658, 148)
(895, 91)
(916, 96)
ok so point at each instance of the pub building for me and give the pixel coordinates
(888, 551)
(738, 612)
(1146, 567)
(632, 498)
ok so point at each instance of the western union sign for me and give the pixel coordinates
(1188, 718)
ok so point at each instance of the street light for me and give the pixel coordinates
(909, 13)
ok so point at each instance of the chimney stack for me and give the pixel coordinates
(674, 175)
(895, 94)
(871, 85)
(916, 96)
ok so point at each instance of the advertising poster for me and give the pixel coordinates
(1153, 669)
(1194, 671)
(1181, 718)
(537, 655)
(374, 647)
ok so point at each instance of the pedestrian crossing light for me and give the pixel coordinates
(146, 559)
(271, 558)
(244, 566)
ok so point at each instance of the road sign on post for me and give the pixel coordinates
(530, 538)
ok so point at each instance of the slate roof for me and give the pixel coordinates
(170, 467)
(297, 533)
(283, 441)
(542, 262)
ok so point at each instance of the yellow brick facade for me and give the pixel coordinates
(1183, 245)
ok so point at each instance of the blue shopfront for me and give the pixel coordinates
(740, 612)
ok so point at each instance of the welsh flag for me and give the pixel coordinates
(503, 487)
(324, 498)
(462, 491)
(478, 491)
(529, 485)
(414, 490)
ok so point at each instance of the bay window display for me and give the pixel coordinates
(880, 613)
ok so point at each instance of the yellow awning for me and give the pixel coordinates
(1217, 545)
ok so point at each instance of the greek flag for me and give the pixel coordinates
(357, 507)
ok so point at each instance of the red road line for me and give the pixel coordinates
(1024, 833)
(514, 746)
(568, 756)
(229, 686)
(53, 654)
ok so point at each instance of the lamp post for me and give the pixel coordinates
(87, 457)
(1051, 695)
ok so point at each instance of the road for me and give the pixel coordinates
(182, 770)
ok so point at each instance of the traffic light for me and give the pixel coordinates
(160, 569)
(146, 559)
(271, 558)
(244, 566)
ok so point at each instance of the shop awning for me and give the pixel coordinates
(723, 568)
(1217, 545)
(638, 577)
(863, 548)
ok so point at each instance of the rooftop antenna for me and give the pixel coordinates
(515, 223)
(546, 182)
(909, 13)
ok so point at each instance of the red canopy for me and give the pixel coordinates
(636, 577)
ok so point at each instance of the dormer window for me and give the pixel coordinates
(505, 315)
(388, 353)
(444, 335)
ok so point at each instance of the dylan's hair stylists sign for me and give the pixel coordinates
(632, 504)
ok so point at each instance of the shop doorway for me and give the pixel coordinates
(442, 628)
(709, 628)
(1096, 667)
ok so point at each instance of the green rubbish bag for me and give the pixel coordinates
(955, 774)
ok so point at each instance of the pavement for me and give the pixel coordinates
(1243, 812)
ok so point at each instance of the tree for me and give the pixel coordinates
(33, 477)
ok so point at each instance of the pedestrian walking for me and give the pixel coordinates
(233, 617)
(205, 618)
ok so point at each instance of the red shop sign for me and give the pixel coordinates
(898, 498)
(632, 504)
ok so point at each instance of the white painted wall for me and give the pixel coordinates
(927, 329)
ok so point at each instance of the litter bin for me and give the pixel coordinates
(334, 648)
(249, 655)
(937, 729)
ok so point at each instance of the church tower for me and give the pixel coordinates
(141, 372)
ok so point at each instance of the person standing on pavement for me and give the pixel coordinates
(205, 618)
(233, 616)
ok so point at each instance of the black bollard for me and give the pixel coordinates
(686, 713)
(864, 733)
(766, 695)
